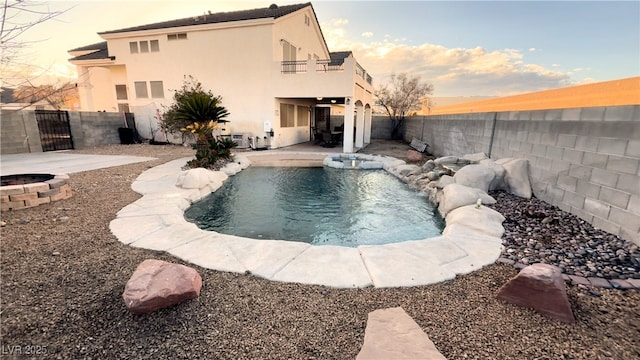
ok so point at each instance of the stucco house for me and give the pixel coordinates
(272, 67)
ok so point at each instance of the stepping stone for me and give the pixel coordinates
(392, 334)
(539, 287)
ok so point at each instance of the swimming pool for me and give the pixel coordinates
(318, 205)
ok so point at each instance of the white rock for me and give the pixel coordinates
(498, 182)
(444, 181)
(194, 178)
(517, 176)
(408, 169)
(446, 160)
(456, 195)
(475, 176)
(475, 158)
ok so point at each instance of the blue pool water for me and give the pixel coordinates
(320, 206)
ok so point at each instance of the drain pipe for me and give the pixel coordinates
(493, 132)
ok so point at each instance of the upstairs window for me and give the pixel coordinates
(141, 89)
(121, 92)
(157, 89)
(307, 20)
(177, 36)
(145, 46)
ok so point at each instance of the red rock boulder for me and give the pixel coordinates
(539, 287)
(159, 284)
(414, 156)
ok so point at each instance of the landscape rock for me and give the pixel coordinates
(539, 287)
(498, 182)
(157, 284)
(456, 195)
(232, 168)
(475, 158)
(444, 181)
(414, 156)
(199, 178)
(432, 176)
(517, 176)
(483, 219)
(392, 334)
(408, 169)
(475, 176)
(446, 160)
(429, 165)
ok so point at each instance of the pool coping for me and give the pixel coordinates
(156, 221)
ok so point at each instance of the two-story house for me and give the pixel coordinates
(271, 66)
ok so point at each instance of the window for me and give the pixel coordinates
(144, 46)
(179, 36)
(123, 108)
(307, 20)
(303, 116)
(157, 89)
(141, 89)
(133, 47)
(288, 51)
(287, 114)
(155, 46)
(121, 92)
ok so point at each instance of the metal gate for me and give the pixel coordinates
(55, 131)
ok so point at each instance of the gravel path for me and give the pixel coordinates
(63, 274)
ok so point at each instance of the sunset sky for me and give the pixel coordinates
(472, 48)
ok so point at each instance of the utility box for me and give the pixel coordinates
(242, 139)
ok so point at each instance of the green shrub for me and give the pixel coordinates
(192, 104)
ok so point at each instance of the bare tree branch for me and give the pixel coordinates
(403, 97)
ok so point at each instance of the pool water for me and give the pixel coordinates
(320, 206)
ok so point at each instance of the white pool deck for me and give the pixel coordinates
(156, 221)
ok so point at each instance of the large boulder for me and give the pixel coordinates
(517, 176)
(157, 284)
(392, 334)
(475, 176)
(199, 178)
(456, 195)
(480, 218)
(539, 287)
(498, 183)
(475, 158)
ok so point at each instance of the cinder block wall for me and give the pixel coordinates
(586, 161)
(19, 130)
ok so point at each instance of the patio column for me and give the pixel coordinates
(367, 124)
(347, 140)
(359, 125)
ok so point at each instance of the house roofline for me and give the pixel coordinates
(216, 18)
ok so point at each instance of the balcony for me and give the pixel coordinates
(327, 78)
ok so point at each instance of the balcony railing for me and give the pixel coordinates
(302, 66)
(327, 65)
(294, 67)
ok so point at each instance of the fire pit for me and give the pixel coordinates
(23, 191)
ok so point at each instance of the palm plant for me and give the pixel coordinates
(201, 108)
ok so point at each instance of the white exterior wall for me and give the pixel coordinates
(307, 38)
(240, 61)
(233, 62)
(92, 90)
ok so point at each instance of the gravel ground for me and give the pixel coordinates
(63, 274)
